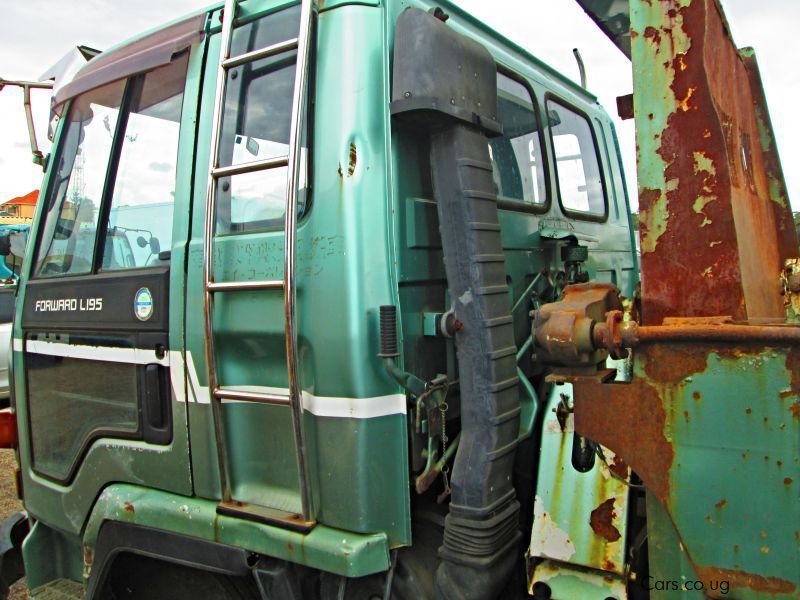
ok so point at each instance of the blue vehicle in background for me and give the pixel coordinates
(8, 294)
(6, 271)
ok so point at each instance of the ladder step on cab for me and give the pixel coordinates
(229, 505)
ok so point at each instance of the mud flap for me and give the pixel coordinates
(12, 532)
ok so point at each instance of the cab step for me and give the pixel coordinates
(266, 515)
(59, 589)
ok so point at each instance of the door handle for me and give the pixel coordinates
(156, 408)
(153, 403)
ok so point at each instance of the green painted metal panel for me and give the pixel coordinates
(569, 582)
(580, 520)
(205, 474)
(670, 567)
(361, 487)
(50, 554)
(264, 468)
(333, 550)
(651, 76)
(630, 272)
(722, 438)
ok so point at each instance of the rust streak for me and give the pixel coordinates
(793, 367)
(673, 363)
(629, 419)
(602, 521)
(742, 579)
(653, 35)
(619, 468)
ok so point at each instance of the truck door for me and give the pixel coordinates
(100, 388)
(249, 326)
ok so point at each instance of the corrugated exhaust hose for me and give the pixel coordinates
(446, 84)
(481, 530)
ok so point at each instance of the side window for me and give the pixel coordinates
(136, 191)
(517, 157)
(256, 124)
(74, 203)
(580, 181)
(139, 224)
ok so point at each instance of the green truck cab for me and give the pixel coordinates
(275, 337)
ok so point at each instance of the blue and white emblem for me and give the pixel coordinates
(143, 304)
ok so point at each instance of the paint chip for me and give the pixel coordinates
(547, 539)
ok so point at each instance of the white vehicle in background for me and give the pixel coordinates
(7, 297)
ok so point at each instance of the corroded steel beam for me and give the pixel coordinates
(711, 418)
(715, 218)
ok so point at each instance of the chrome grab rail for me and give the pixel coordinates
(295, 392)
(293, 162)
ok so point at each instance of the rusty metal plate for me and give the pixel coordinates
(715, 219)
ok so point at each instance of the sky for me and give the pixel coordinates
(34, 34)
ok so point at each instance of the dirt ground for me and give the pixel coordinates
(9, 503)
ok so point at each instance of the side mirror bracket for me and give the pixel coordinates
(27, 86)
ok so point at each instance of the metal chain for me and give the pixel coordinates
(445, 468)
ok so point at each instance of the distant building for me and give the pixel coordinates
(20, 207)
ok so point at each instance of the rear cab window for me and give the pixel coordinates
(579, 177)
(517, 159)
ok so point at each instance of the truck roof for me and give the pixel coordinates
(156, 46)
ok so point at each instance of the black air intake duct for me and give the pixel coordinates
(446, 83)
